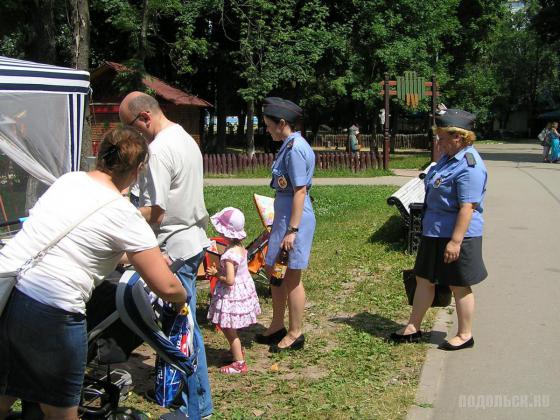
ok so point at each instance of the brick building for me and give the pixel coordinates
(179, 106)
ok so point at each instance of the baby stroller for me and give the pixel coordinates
(256, 250)
(136, 320)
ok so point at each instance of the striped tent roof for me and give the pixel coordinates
(21, 78)
(26, 76)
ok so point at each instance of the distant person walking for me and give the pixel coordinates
(450, 251)
(543, 137)
(353, 144)
(554, 140)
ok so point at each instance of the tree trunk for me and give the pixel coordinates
(42, 42)
(143, 46)
(250, 130)
(221, 113)
(240, 125)
(42, 48)
(79, 18)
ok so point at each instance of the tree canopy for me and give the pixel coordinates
(327, 55)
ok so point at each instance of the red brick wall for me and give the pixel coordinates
(100, 124)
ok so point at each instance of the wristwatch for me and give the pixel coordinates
(292, 229)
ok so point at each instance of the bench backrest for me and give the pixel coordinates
(410, 193)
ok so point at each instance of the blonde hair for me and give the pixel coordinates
(467, 137)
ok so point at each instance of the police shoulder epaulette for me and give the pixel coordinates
(290, 144)
(471, 161)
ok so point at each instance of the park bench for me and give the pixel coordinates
(409, 200)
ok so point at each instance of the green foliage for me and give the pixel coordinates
(513, 69)
(545, 21)
(278, 42)
(328, 55)
(131, 79)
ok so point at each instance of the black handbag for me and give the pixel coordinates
(442, 295)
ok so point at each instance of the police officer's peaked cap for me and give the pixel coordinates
(455, 118)
(281, 109)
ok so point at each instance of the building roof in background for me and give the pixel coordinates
(161, 89)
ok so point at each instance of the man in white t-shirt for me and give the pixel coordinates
(171, 199)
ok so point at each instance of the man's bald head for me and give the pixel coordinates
(142, 112)
(136, 102)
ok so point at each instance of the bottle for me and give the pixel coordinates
(279, 269)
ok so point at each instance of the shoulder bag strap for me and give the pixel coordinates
(51, 244)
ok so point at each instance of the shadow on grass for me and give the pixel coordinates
(382, 327)
(391, 234)
(373, 324)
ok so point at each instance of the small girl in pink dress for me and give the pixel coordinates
(235, 303)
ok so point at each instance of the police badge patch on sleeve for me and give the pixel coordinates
(282, 182)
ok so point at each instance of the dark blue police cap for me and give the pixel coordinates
(281, 109)
(455, 118)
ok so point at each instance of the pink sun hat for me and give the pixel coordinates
(230, 222)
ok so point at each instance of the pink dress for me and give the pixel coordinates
(235, 306)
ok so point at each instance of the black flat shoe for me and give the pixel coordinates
(406, 338)
(273, 338)
(296, 345)
(450, 347)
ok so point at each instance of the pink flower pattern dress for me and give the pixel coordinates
(235, 306)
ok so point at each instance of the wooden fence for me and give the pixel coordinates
(230, 163)
(372, 141)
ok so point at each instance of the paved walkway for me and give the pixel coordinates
(513, 372)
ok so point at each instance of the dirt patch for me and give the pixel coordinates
(309, 373)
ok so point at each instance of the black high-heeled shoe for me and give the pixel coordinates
(296, 345)
(273, 338)
(406, 338)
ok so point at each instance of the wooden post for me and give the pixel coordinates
(386, 139)
(433, 117)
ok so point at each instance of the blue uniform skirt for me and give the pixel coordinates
(299, 256)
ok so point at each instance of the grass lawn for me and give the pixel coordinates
(355, 299)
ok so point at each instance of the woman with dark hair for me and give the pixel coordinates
(294, 222)
(43, 343)
(450, 251)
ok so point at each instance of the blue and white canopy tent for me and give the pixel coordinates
(42, 110)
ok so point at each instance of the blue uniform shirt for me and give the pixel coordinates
(449, 183)
(294, 165)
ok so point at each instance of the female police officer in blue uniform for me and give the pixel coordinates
(294, 222)
(450, 251)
